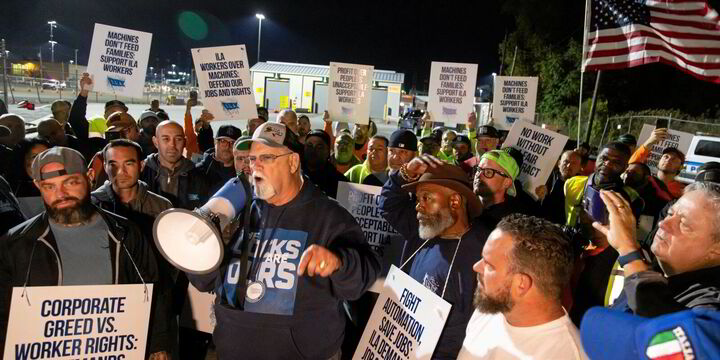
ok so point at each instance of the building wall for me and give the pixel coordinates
(258, 81)
(393, 97)
(307, 92)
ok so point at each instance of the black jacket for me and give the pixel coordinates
(214, 171)
(10, 212)
(326, 179)
(193, 188)
(299, 317)
(29, 250)
(398, 208)
(553, 205)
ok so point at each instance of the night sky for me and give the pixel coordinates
(404, 36)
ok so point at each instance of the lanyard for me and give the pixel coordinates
(447, 278)
(255, 267)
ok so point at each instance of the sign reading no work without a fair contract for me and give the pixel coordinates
(406, 321)
(452, 91)
(514, 99)
(224, 79)
(541, 149)
(350, 92)
(79, 322)
(118, 60)
(677, 139)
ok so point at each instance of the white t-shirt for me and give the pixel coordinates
(489, 336)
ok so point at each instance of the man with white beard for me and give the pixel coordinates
(443, 236)
(300, 255)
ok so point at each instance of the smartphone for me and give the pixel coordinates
(594, 206)
(661, 123)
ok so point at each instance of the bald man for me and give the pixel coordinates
(172, 175)
(53, 131)
(16, 124)
(289, 118)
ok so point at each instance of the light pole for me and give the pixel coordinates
(76, 73)
(4, 72)
(53, 24)
(260, 18)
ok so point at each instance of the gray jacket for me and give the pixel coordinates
(146, 202)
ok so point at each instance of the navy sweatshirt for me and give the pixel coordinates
(298, 316)
(431, 263)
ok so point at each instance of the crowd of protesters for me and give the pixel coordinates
(521, 271)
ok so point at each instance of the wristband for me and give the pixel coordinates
(630, 257)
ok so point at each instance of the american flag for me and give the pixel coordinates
(628, 33)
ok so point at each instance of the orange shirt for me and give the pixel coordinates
(191, 142)
(641, 155)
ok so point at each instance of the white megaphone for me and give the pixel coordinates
(191, 240)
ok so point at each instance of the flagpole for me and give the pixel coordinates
(582, 66)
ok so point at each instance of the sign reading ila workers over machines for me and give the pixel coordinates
(541, 149)
(405, 323)
(514, 99)
(363, 202)
(224, 79)
(108, 322)
(452, 91)
(118, 60)
(349, 92)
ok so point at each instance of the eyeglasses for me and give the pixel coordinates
(490, 173)
(224, 141)
(265, 159)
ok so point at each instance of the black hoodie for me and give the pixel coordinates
(214, 171)
(299, 317)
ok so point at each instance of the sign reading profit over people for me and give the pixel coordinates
(405, 323)
(541, 149)
(452, 91)
(350, 92)
(79, 322)
(118, 60)
(223, 75)
(677, 139)
(363, 202)
(514, 99)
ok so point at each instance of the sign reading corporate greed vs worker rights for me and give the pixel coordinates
(514, 100)
(224, 78)
(541, 149)
(405, 323)
(118, 60)
(452, 91)
(79, 322)
(349, 92)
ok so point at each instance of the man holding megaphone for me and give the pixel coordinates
(298, 255)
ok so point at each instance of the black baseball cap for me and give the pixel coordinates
(321, 134)
(627, 139)
(709, 171)
(229, 132)
(489, 131)
(403, 139)
(462, 139)
(115, 103)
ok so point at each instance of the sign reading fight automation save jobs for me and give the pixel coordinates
(405, 323)
(224, 80)
(349, 92)
(452, 91)
(79, 322)
(118, 60)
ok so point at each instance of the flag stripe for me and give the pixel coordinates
(687, 23)
(708, 59)
(662, 337)
(675, 356)
(623, 62)
(669, 34)
(708, 70)
(662, 349)
(704, 12)
(642, 37)
(690, 5)
(710, 19)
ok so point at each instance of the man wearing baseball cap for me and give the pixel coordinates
(402, 148)
(441, 237)
(241, 151)
(218, 165)
(669, 166)
(120, 125)
(487, 138)
(318, 167)
(75, 243)
(97, 125)
(292, 307)
(463, 148)
(494, 184)
(148, 122)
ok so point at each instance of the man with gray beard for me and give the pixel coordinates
(443, 236)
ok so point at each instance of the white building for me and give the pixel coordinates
(303, 87)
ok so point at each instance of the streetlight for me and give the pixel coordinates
(53, 24)
(260, 18)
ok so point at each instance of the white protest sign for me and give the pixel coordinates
(514, 99)
(118, 60)
(349, 92)
(363, 202)
(677, 139)
(224, 79)
(452, 91)
(198, 311)
(405, 323)
(76, 322)
(541, 149)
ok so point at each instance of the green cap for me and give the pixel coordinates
(507, 162)
(241, 144)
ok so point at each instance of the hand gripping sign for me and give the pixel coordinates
(75, 322)
(406, 322)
